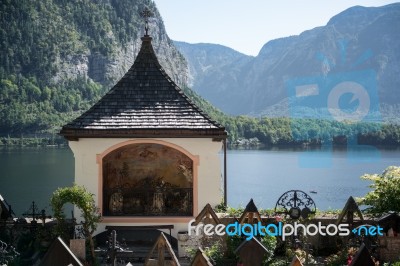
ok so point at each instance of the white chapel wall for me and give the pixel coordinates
(209, 170)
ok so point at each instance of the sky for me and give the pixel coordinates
(246, 25)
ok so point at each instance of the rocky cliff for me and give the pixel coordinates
(107, 69)
(56, 40)
(58, 57)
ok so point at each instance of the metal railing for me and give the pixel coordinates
(148, 202)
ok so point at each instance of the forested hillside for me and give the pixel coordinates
(283, 131)
(59, 56)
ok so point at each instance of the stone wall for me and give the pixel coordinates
(389, 248)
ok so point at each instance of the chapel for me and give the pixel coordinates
(146, 151)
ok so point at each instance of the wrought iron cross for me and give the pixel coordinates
(32, 211)
(146, 14)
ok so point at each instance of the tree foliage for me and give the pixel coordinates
(83, 199)
(269, 243)
(37, 38)
(384, 196)
(28, 107)
(272, 131)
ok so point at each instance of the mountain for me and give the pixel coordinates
(59, 56)
(214, 71)
(358, 39)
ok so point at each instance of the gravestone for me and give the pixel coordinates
(348, 211)
(60, 254)
(251, 252)
(161, 253)
(296, 261)
(362, 257)
(201, 259)
(250, 213)
(78, 247)
(207, 216)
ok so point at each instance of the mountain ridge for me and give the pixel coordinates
(59, 57)
(338, 47)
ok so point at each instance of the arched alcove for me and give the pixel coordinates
(147, 179)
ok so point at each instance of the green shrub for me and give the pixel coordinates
(386, 190)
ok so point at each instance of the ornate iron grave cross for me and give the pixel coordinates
(296, 204)
(146, 14)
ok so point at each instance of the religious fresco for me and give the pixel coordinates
(147, 180)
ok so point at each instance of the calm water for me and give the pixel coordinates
(33, 174)
(265, 175)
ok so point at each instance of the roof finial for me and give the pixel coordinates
(146, 14)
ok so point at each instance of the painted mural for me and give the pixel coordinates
(147, 180)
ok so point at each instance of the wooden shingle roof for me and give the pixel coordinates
(145, 102)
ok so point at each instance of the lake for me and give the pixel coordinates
(29, 174)
(335, 174)
(32, 174)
